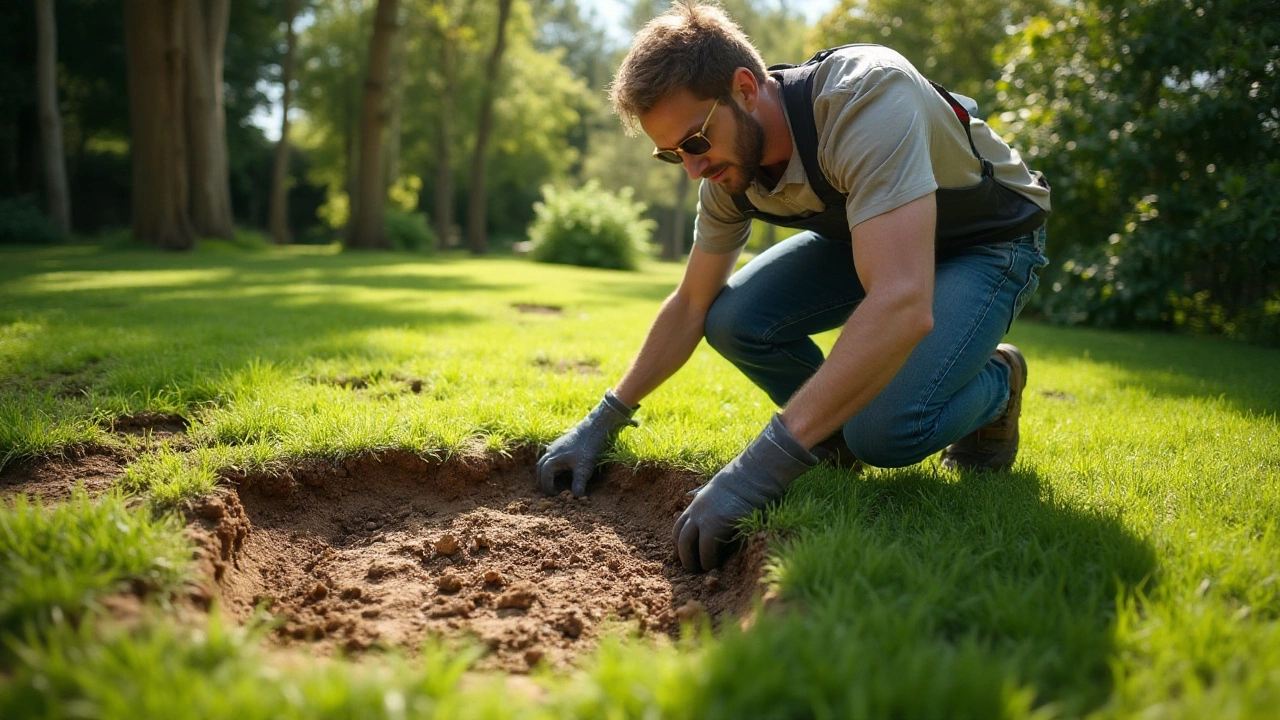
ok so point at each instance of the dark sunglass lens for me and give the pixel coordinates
(695, 145)
(670, 156)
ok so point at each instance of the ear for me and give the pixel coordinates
(745, 89)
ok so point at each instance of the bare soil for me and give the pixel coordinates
(96, 467)
(53, 479)
(386, 549)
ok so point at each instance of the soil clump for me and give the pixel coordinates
(387, 549)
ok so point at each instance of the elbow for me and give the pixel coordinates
(912, 314)
(922, 322)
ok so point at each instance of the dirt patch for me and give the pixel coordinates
(159, 426)
(389, 385)
(535, 309)
(561, 367)
(53, 479)
(384, 550)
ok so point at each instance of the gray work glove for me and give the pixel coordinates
(749, 481)
(577, 450)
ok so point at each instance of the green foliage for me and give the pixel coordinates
(1157, 124)
(589, 226)
(949, 41)
(23, 223)
(55, 562)
(409, 231)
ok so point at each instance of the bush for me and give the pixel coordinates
(409, 231)
(589, 226)
(23, 223)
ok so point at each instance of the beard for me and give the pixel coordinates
(748, 150)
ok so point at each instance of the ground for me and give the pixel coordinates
(385, 549)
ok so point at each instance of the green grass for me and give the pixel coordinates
(1128, 566)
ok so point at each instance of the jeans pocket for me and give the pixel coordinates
(1032, 255)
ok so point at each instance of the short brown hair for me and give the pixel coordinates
(691, 46)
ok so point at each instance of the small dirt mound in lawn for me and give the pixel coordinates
(53, 479)
(386, 549)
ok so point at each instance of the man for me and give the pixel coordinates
(923, 239)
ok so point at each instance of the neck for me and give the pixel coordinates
(777, 136)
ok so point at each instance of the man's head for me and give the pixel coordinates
(681, 64)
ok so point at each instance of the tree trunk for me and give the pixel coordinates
(365, 229)
(477, 236)
(673, 244)
(55, 168)
(206, 36)
(155, 54)
(444, 140)
(395, 111)
(279, 222)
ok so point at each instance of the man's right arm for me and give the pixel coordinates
(676, 331)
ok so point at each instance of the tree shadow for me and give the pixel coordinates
(1166, 365)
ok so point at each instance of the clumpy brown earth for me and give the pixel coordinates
(53, 479)
(385, 550)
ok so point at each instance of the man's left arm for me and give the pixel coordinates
(894, 256)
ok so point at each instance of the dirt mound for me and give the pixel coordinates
(384, 550)
(53, 479)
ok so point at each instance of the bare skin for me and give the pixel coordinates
(893, 253)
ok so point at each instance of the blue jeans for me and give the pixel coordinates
(949, 386)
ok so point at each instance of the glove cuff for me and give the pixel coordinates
(777, 434)
(623, 410)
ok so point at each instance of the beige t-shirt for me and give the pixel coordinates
(885, 138)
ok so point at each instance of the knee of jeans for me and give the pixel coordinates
(883, 444)
(725, 326)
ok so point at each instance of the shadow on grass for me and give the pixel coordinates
(925, 595)
(1166, 365)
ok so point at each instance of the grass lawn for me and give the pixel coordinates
(1129, 565)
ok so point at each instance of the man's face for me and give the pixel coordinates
(737, 138)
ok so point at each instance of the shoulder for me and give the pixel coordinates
(855, 69)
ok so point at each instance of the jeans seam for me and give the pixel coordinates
(936, 381)
(772, 330)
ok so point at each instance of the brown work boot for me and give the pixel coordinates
(994, 446)
(835, 451)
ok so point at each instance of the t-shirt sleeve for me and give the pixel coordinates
(720, 227)
(875, 143)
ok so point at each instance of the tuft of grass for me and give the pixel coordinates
(56, 562)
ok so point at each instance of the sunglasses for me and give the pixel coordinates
(695, 144)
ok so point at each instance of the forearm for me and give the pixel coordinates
(872, 348)
(671, 340)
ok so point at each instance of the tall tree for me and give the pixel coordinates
(55, 172)
(447, 39)
(279, 218)
(156, 53)
(206, 39)
(477, 235)
(365, 230)
(395, 110)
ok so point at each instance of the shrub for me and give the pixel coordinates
(23, 223)
(409, 231)
(589, 226)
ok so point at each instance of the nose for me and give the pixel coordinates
(695, 165)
